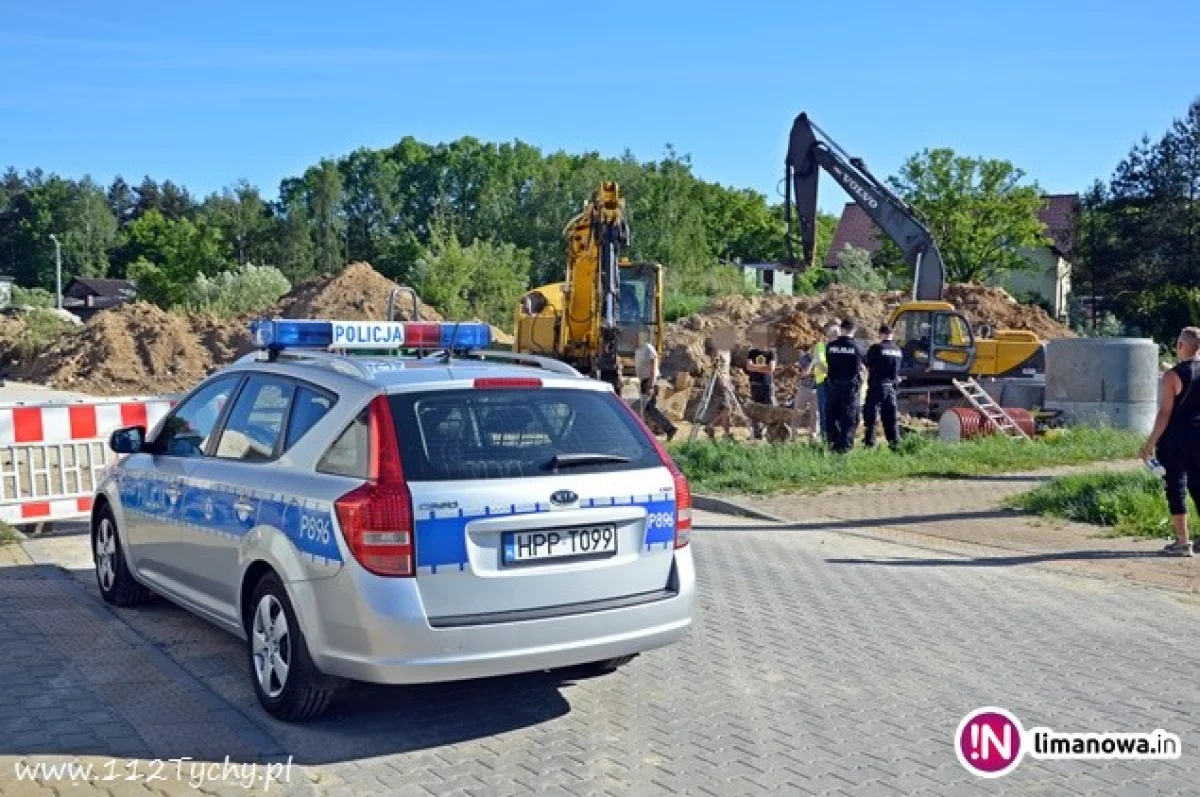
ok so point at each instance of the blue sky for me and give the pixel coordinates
(207, 93)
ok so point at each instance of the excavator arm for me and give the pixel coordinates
(809, 150)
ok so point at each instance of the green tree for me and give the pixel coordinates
(481, 280)
(169, 255)
(980, 212)
(326, 214)
(75, 211)
(855, 270)
(1140, 237)
(246, 223)
(294, 251)
(826, 226)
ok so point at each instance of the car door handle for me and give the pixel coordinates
(242, 506)
(172, 492)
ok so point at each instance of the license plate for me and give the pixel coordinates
(548, 544)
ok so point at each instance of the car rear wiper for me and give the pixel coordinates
(572, 460)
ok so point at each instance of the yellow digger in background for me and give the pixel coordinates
(595, 319)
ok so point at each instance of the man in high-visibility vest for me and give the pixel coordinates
(820, 370)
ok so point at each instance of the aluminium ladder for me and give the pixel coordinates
(993, 412)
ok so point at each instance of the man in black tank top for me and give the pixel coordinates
(1176, 437)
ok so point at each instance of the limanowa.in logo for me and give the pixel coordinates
(990, 742)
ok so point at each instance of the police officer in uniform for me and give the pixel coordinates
(883, 372)
(844, 383)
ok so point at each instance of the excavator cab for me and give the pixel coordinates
(639, 308)
(935, 341)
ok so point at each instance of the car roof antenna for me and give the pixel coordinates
(450, 349)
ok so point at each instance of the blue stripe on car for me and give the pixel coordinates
(441, 541)
(213, 510)
(441, 538)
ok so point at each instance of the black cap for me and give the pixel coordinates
(884, 329)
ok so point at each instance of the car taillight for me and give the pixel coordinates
(683, 491)
(377, 517)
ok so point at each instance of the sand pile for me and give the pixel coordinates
(797, 323)
(356, 293)
(136, 349)
(139, 349)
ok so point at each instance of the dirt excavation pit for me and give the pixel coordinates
(797, 323)
(139, 349)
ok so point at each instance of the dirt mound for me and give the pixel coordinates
(995, 308)
(356, 293)
(797, 323)
(140, 349)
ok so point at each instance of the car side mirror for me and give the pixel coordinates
(129, 440)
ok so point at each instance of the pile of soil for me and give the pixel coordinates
(995, 308)
(139, 349)
(797, 323)
(356, 293)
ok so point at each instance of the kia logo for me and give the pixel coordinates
(564, 497)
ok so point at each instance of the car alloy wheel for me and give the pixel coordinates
(272, 646)
(106, 551)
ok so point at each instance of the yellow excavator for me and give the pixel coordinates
(938, 342)
(595, 319)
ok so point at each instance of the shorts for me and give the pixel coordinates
(762, 394)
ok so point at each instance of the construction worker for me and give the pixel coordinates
(821, 372)
(805, 404)
(883, 372)
(760, 365)
(723, 400)
(845, 357)
(645, 362)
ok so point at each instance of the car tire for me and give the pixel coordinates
(117, 584)
(288, 685)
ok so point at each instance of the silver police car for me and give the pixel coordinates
(399, 519)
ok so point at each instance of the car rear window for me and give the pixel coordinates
(502, 434)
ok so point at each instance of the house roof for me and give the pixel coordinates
(1060, 214)
(104, 287)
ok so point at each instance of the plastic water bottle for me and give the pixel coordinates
(1155, 467)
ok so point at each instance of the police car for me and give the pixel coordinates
(421, 511)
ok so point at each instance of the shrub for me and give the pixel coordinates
(249, 289)
(32, 297)
(43, 326)
(856, 271)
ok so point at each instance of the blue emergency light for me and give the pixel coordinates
(277, 334)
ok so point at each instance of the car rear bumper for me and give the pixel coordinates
(375, 630)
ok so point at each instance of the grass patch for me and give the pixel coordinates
(681, 305)
(725, 467)
(7, 537)
(1130, 503)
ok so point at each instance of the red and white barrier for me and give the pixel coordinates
(52, 453)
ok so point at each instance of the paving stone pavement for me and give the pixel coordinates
(819, 664)
(969, 517)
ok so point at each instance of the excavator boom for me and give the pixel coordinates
(810, 149)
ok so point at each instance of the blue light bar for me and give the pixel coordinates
(291, 334)
(464, 337)
(286, 334)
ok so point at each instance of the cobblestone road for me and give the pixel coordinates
(820, 663)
